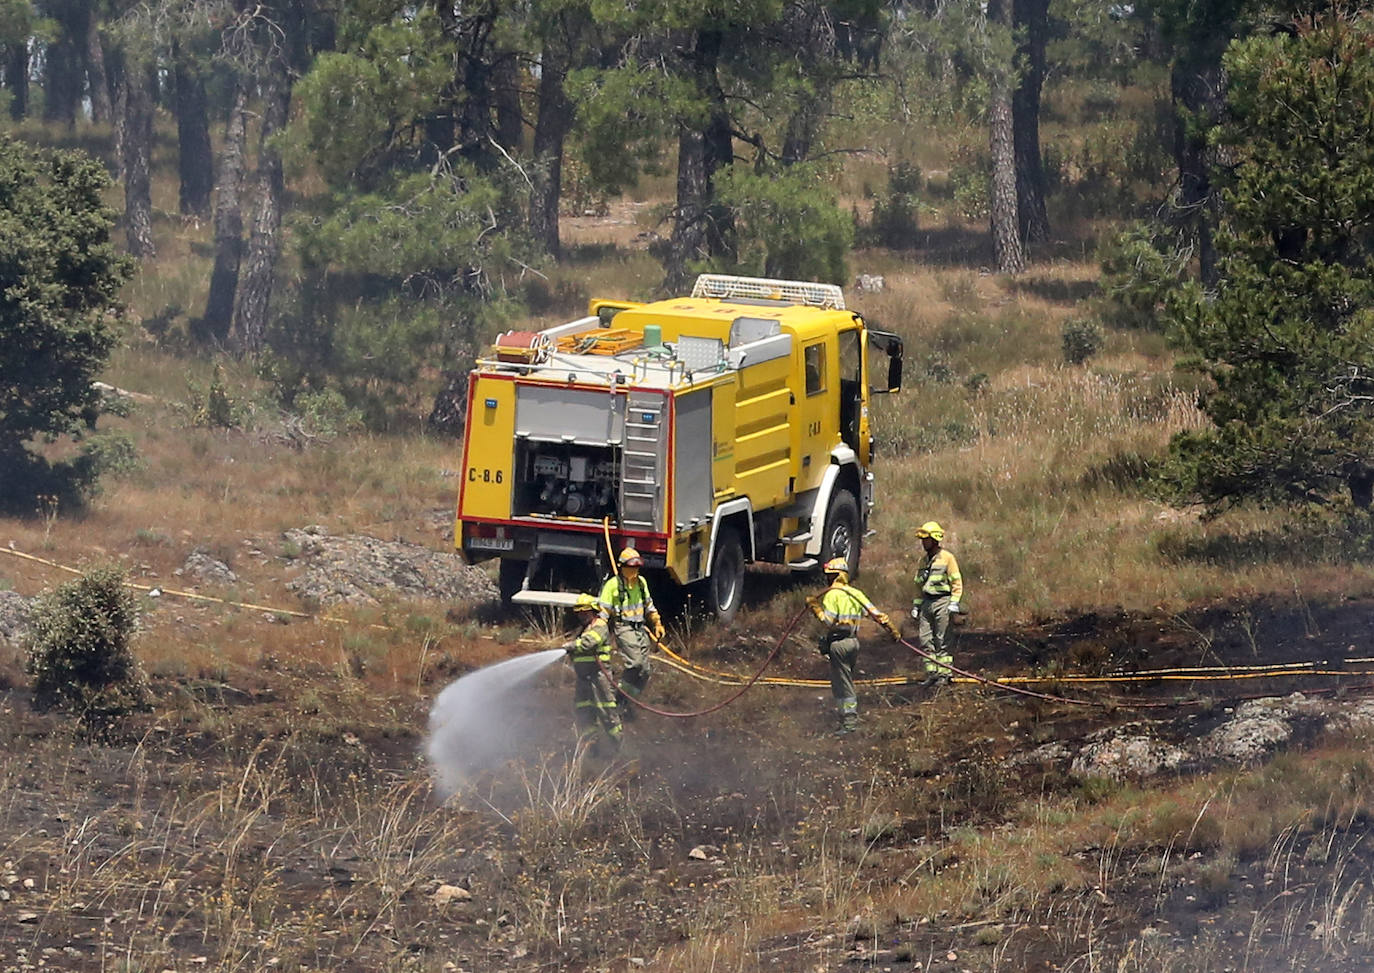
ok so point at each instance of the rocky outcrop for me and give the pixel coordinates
(14, 615)
(203, 567)
(1122, 753)
(1256, 728)
(357, 569)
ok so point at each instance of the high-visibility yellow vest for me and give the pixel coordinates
(939, 576)
(844, 604)
(594, 643)
(623, 603)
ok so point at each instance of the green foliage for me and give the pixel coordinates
(1082, 339)
(79, 651)
(787, 223)
(357, 101)
(894, 221)
(213, 407)
(112, 454)
(1288, 339)
(327, 414)
(405, 257)
(1142, 265)
(59, 284)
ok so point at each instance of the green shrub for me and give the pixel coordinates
(894, 222)
(326, 414)
(1082, 339)
(112, 454)
(79, 653)
(213, 407)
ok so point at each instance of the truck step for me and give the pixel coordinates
(796, 537)
(805, 564)
(557, 599)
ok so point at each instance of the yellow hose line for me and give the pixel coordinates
(675, 661)
(194, 596)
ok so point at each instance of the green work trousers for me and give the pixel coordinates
(594, 701)
(844, 656)
(634, 645)
(932, 630)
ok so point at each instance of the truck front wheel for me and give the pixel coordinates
(842, 537)
(725, 586)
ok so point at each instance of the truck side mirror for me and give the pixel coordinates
(890, 343)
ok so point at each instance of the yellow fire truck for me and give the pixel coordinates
(707, 431)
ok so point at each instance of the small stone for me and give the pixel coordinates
(699, 853)
(446, 894)
(28, 917)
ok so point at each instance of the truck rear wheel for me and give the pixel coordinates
(842, 537)
(725, 586)
(510, 578)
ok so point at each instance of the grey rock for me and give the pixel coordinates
(1356, 718)
(14, 615)
(1258, 726)
(1129, 756)
(356, 569)
(201, 566)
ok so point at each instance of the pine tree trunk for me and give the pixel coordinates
(97, 80)
(17, 80)
(550, 130)
(137, 147)
(1006, 237)
(700, 228)
(1362, 489)
(195, 159)
(64, 63)
(219, 306)
(450, 404)
(1032, 18)
(248, 333)
(1197, 85)
(510, 123)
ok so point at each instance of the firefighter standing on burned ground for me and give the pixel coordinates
(939, 588)
(840, 608)
(593, 699)
(629, 610)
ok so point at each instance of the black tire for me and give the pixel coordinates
(843, 537)
(511, 577)
(725, 586)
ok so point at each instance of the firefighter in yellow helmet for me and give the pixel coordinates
(840, 608)
(593, 699)
(629, 610)
(939, 588)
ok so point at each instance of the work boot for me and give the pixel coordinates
(934, 680)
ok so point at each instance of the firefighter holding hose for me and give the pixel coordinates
(629, 610)
(840, 608)
(590, 652)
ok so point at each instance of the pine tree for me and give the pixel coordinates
(1287, 339)
(59, 280)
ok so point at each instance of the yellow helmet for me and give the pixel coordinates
(630, 558)
(931, 529)
(586, 603)
(837, 565)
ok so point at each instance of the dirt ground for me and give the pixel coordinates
(235, 827)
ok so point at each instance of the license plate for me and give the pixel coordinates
(492, 543)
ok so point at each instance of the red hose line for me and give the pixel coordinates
(710, 709)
